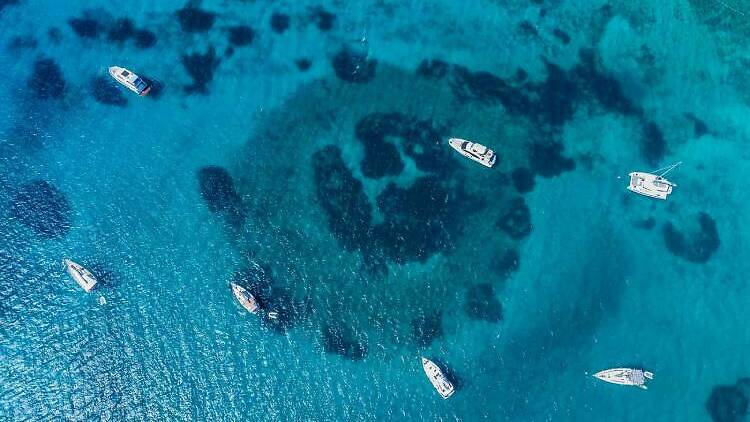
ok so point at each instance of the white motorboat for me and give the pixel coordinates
(246, 299)
(653, 185)
(437, 378)
(132, 81)
(472, 150)
(82, 276)
(625, 376)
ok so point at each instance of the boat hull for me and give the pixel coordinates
(485, 156)
(650, 185)
(82, 276)
(438, 379)
(130, 80)
(625, 376)
(245, 298)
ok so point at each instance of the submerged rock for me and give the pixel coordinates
(43, 208)
(201, 69)
(303, 64)
(343, 199)
(481, 303)
(729, 403)
(427, 327)
(279, 22)
(653, 145)
(434, 69)
(324, 19)
(506, 263)
(47, 80)
(121, 30)
(547, 160)
(343, 341)
(516, 221)
(561, 35)
(217, 189)
(194, 20)
(697, 246)
(144, 38)
(86, 27)
(523, 180)
(241, 35)
(104, 91)
(353, 67)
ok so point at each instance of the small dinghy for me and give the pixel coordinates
(246, 299)
(132, 81)
(625, 376)
(82, 276)
(437, 378)
(474, 151)
(653, 185)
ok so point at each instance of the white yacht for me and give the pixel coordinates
(246, 299)
(82, 276)
(477, 152)
(652, 185)
(132, 81)
(437, 378)
(625, 376)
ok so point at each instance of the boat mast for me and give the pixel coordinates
(667, 169)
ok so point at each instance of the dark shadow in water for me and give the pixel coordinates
(6, 3)
(106, 92)
(200, 67)
(523, 180)
(344, 341)
(86, 27)
(144, 38)
(427, 327)
(481, 303)
(323, 19)
(46, 80)
(195, 20)
(729, 403)
(696, 246)
(547, 159)
(653, 145)
(106, 278)
(354, 67)
(43, 208)
(279, 22)
(241, 35)
(516, 221)
(121, 30)
(217, 189)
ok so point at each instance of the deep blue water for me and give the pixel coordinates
(300, 149)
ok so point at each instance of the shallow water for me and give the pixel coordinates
(304, 157)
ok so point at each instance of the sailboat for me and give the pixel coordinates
(437, 378)
(653, 185)
(625, 376)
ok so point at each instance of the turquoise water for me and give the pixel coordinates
(305, 158)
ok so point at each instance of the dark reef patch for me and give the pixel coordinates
(695, 246)
(343, 199)
(324, 19)
(646, 224)
(86, 27)
(421, 142)
(27, 42)
(420, 220)
(43, 208)
(144, 38)
(353, 67)
(427, 327)
(47, 80)
(699, 126)
(523, 180)
(279, 22)
(303, 64)
(729, 403)
(516, 221)
(217, 189)
(505, 263)
(433, 69)
(653, 145)
(105, 92)
(201, 69)
(546, 159)
(55, 35)
(121, 30)
(344, 341)
(603, 87)
(527, 28)
(194, 20)
(6, 3)
(481, 303)
(561, 35)
(241, 35)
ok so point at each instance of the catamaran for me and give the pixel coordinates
(625, 376)
(474, 151)
(82, 276)
(437, 378)
(246, 299)
(132, 81)
(652, 185)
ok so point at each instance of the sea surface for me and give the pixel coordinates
(299, 148)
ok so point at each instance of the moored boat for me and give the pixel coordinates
(437, 378)
(625, 376)
(82, 276)
(653, 185)
(246, 299)
(132, 81)
(474, 151)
